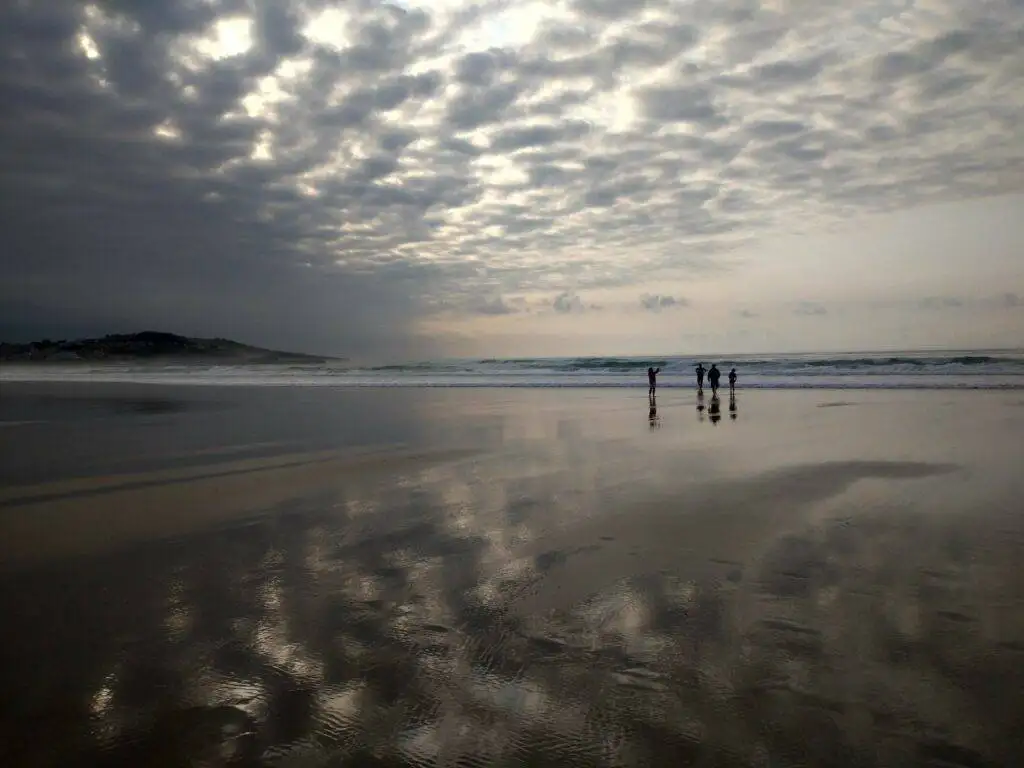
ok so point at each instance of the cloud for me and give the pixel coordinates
(746, 314)
(567, 302)
(1012, 300)
(326, 176)
(497, 305)
(657, 302)
(810, 309)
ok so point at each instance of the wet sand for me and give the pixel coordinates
(494, 577)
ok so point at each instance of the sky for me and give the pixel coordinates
(419, 179)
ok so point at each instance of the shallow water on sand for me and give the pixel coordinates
(557, 581)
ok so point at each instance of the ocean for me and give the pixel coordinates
(957, 369)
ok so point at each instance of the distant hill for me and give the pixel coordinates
(149, 345)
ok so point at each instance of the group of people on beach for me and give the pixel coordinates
(713, 375)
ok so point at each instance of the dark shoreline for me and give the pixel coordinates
(147, 346)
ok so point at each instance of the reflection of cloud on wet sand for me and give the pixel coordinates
(383, 623)
(681, 531)
(291, 638)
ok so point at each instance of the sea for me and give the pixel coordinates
(951, 369)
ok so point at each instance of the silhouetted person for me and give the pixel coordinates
(715, 409)
(700, 375)
(652, 380)
(732, 380)
(713, 376)
(732, 407)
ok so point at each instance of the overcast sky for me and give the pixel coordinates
(451, 177)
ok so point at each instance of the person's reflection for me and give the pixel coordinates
(652, 415)
(700, 404)
(715, 410)
(732, 407)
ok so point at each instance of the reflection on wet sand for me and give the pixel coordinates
(652, 415)
(536, 605)
(714, 408)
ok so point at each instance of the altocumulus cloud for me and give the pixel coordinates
(653, 302)
(324, 175)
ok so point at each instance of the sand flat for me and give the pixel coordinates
(586, 585)
(86, 517)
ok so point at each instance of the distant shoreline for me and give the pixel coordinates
(163, 361)
(148, 346)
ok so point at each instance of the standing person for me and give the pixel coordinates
(713, 376)
(652, 381)
(700, 376)
(732, 381)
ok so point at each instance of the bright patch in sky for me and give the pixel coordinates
(227, 38)
(167, 130)
(615, 111)
(328, 28)
(512, 27)
(88, 46)
(261, 149)
(273, 89)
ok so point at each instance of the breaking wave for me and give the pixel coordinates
(974, 369)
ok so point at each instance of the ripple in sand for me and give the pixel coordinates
(790, 638)
(942, 753)
(641, 677)
(547, 643)
(788, 626)
(956, 616)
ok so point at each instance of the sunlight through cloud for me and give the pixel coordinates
(227, 38)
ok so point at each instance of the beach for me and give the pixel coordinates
(233, 575)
